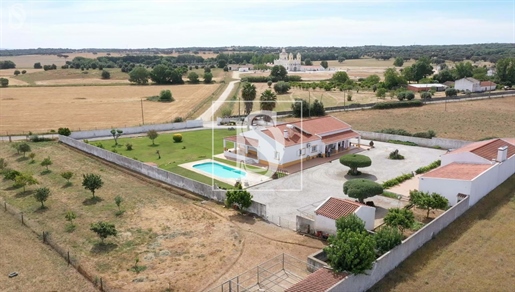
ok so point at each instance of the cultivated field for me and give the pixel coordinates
(185, 245)
(474, 253)
(39, 268)
(40, 109)
(470, 120)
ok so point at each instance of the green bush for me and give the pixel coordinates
(166, 96)
(425, 95)
(429, 167)
(64, 131)
(401, 132)
(398, 104)
(451, 92)
(395, 181)
(395, 155)
(177, 138)
(408, 143)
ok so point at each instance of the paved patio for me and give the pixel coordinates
(284, 196)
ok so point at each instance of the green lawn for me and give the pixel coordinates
(196, 145)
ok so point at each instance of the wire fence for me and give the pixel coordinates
(276, 274)
(47, 238)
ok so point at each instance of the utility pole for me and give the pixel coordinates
(309, 103)
(142, 116)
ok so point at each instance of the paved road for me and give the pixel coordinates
(284, 196)
(208, 115)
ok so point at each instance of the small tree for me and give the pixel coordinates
(103, 229)
(106, 74)
(361, 189)
(92, 182)
(4, 82)
(37, 65)
(208, 77)
(16, 72)
(24, 179)
(11, 174)
(281, 87)
(152, 135)
(399, 218)
(70, 216)
(425, 95)
(24, 148)
(116, 133)
(268, 100)
(193, 77)
(166, 96)
(64, 131)
(118, 201)
(67, 175)
(387, 238)
(355, 161)
(242, 198)
(350, 222)
(269, 83)
(351, 251)
(399, 61)
(324, 64)
(46, 162)
(42, 195)
(424, 200)
(23, 71)
(32, 155)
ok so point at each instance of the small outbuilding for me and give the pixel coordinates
(426, 87)
(334, 208)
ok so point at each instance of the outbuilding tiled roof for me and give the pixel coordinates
(339, 137)
(487, 149)
(319, 281)
(460, 171)
(487, 83)
(335, 208)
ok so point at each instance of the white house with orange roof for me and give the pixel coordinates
(334, 208)
(288, 144)
(474, 170)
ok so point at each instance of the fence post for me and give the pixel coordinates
(22, 218)
(258, 275)
(283, 261)
(5, 206)
(68, 258)
(238, 284)
(101, 284)
(279, 220)
(230, 285)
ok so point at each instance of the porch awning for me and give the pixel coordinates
(243, 140)
(340, 137)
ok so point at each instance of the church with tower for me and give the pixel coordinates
(287, 61)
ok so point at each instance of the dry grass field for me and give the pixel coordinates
(470, 120)
(72, 76)
(474, 253)
(39, 268)
(185, 245)
(40, 109)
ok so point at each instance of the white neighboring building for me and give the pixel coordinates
(474, 170)
(333, 209)
(473, 85)
(288, 62)
(288, 144)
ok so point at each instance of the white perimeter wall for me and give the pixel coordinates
(489, 180)
(367, 214)
(441, 142)
(449, 188)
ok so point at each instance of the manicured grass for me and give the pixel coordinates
(196, 145)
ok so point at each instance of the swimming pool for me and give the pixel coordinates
(220, 170)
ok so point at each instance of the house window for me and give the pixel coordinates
(300, 152)
(314, 148)
(276, 156)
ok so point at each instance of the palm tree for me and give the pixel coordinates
(248, 94)
(268, 100)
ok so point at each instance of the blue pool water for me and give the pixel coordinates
(220, 170)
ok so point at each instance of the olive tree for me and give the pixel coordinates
(116, 133)
(42, 195)
(387, 238)
(351, 251)
(103, 229)
(399, 218)
(92, 182)
(424, 200)
(152, 135)
(355, 161)
(241, 198)
(361, 189)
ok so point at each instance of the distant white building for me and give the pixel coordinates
(473, 85)
(288, 62)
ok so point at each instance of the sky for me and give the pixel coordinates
(165, 24)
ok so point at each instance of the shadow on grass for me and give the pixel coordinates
(41, 210)
(101, 248)
(92, 201)
(12, 188)
(244, 218)
(155, 145)
(67, 185)
(20, 159)
(24, 194)
(46, 171)
(484, 209)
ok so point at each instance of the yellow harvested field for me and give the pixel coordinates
(10, 72)
(40, 109)
(27, 61)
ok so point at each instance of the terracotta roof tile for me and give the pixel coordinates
(319, 281)
(487, 83)
(340, 137)
(336, 208)
(460, 171)
(321, 125)
(243, 140)
(487, 149)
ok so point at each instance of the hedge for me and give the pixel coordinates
(395, 181)
(429, 167)
(398, 104)
(408, 143)
(264, 79)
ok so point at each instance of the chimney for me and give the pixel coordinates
(289, 128)
(286, 134)
(502, 153)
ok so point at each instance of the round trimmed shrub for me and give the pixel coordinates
(177, 138)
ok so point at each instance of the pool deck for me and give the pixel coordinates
(250, 179)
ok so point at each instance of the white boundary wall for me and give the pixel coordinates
(138, 130)
(397, 255)
(441, 142)
(159, 174)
